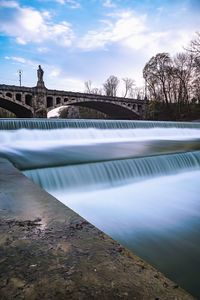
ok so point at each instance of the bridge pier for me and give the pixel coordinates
(40, 103)
(40, 97)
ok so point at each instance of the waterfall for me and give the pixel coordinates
(30, 147)
(113, 173)
(12, 124)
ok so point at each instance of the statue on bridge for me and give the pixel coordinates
(40, 74)
(40, 82)
(39, 106)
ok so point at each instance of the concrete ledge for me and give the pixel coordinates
(49, 252)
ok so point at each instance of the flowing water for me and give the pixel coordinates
(137, 181)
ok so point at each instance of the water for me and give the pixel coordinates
(139, 182)
(35, 148)
(95, 176)
(161, 225)
(10, 124)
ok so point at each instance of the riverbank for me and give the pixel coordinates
(49, 252)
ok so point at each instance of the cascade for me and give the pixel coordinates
(12, 124)
(112, 173)
(30, 148)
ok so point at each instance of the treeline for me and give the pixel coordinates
(111, 88)
(173, 84)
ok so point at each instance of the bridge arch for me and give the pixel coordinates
(113, 110)
(15, 107)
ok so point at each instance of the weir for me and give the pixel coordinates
(9, 124)
(113, 173)
(137, 181)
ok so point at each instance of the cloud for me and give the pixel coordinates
(129, 37)
(21, 60)
(28, 25)
(122, 27)
(132, 31)
(125, 25)
(57, 78)
(55, 72)
(42, 49)
(108, 3)
(8, 4)
(72, 3)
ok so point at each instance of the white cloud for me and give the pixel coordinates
(66, 83)
(72, 3)
(8, 4)
(153, 42)
(134, 38)
(55, 72)
(132, 31)
(108, 3)
(46, 14)
(43, 49)
(125, 25)
(58, 79)
(125, 28)
(61, 1)
(21, 60)
(29, 25)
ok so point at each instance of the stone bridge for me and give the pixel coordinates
(27, 102)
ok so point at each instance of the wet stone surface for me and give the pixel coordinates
(72, 261)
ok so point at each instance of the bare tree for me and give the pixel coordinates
(97, 91)
(90, 90)
(195, 45)
(111, 85)
(129, 85)
(88, 86)
(196, 90)
(175, 82)
(137, 93)
(194, 48)
(158, 75)
(184, 74)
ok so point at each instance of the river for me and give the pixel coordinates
(137, 181)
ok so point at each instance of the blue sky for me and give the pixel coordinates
(79, 40)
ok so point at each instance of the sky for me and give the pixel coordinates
(79, 40)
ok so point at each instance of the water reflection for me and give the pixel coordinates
(159, 219)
